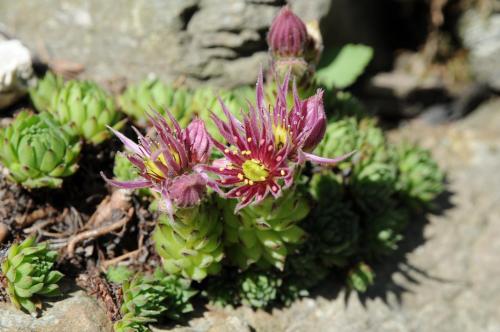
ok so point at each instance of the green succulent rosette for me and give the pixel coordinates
(259, 289)
(264, 233)
(373, 174)
(28, 269)
(373, 186)
(152, 94)
(305, 268)
(341, 137)
(147, 297)
(419, 178)
(179, 294)
(190, 245)
(42, 94)
(38, 151)
(143, 302)
(88, 110)
(384, 231)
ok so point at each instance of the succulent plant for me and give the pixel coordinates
(131, 323)
(384, 231)
(206, 100)
(190, 244)
(264, 233)
(373, 173)
(259, 289)
(373, 185)
(419, 178)
(38, 151)
(146, 297)
(340, 138)
(28, 269)
(336, 234)
(87, 109)
(152, 94)
(178, 292)
(360, 277)
(42, 94)
(305, 267)
(118, 274)
(142, 304)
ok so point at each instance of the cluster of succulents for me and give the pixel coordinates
(259, 194)
(29, 272)
(146, 297)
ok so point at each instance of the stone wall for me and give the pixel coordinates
(197, 40)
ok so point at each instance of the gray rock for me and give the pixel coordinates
(480, 33)
(79, 313)
(220, 41)
(15, 71)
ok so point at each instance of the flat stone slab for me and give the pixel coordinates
(78, 313)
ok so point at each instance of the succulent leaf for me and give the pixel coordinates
(42, 94)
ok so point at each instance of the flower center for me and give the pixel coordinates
(254, 170)
(154, 171)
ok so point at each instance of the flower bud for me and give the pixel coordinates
(287, 36)
(315, 121)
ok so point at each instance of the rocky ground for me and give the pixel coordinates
(443, 279)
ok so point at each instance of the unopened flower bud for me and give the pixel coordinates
(287, 36)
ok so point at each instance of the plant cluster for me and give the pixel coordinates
(260, 193)
(147, 297)
(29, 272)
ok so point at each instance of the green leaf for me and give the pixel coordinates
(28, 305)
(343, 67)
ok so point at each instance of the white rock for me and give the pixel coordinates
(15, 71)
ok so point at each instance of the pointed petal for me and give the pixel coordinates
(128, 184)
(325, 161)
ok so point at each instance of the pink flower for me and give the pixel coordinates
(302, 125)
(262, 151)
(254, 164)
(168, 161)
(287, 35)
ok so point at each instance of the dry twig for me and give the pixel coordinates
(102, 221)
